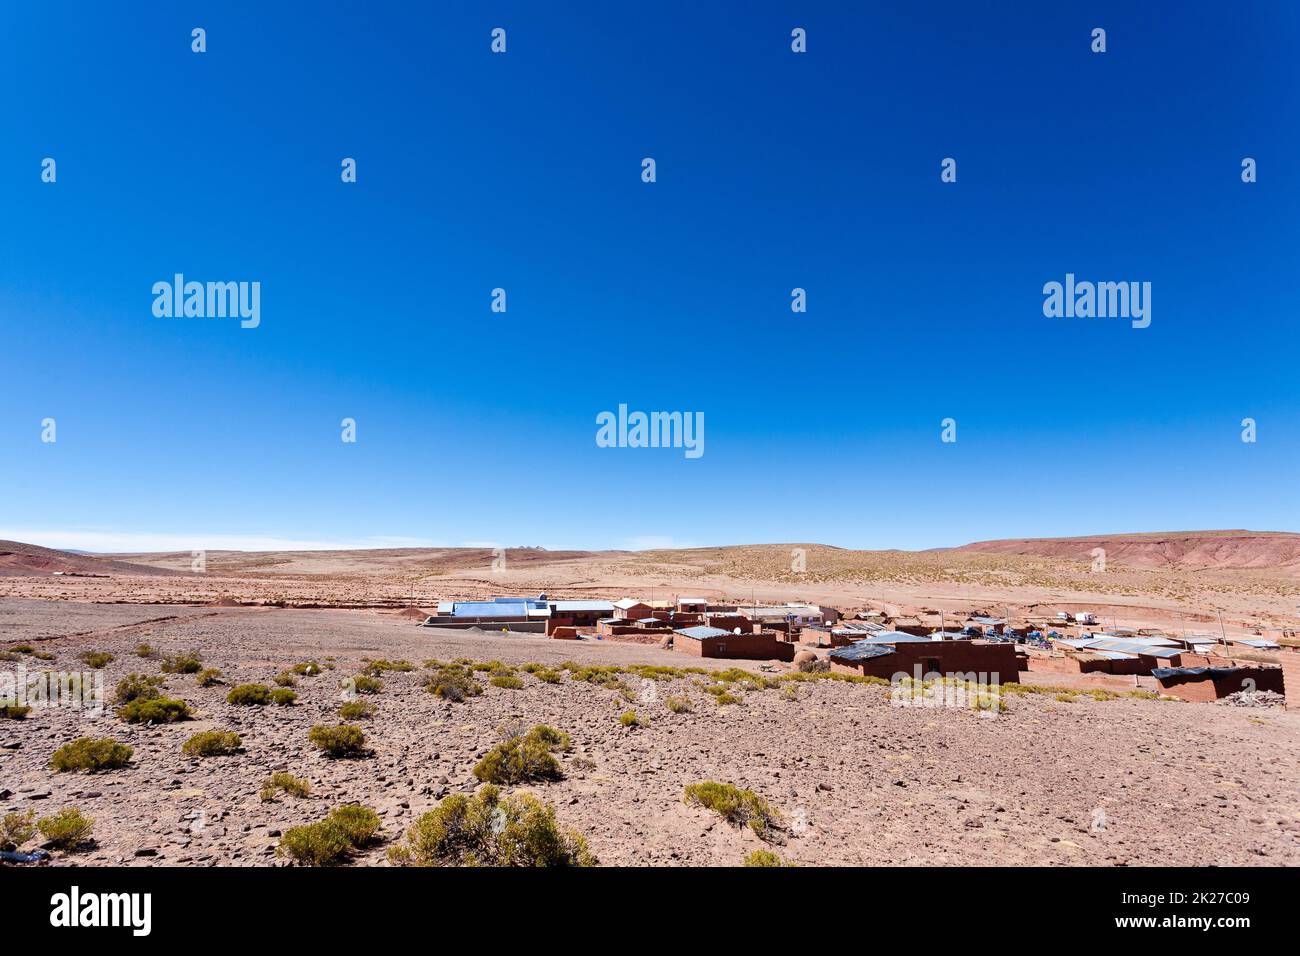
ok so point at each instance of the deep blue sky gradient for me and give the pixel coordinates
(775, 170)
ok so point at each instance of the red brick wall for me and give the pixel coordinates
(1202, 688)
(763, 646)
(998, 661)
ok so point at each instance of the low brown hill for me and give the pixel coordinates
(1191, 550)
(18, 559)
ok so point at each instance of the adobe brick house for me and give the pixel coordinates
(878, 658)
(704, 641)
(1205, 684)
(631, 609)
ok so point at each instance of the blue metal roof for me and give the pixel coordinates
(489, 609)
(861, 651)
(702, 632)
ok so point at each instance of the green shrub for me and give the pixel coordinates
(305, 669)
(156, 710)
(14, 711)
(138, 687)
(738, 807)
(182, 664)
(547, 676)
(16, 829)
(95, 659)
(249, 695)
(356, 710)
(723, 696)
(358, 822)
(145, 650)
(23, 649)
(484, 830)
(331, 841)
(453, 683)
(212, 743)
(629, 719)
(678, 704)
(283, 782)
(509, 681)
(316, 844)
(375, 668)
(788, 692)
(286, 679)
(523, 757)
(283, 697)
(66, 830)
(765, 858)
(365, 684)
(43, 655)
(209, 677)
(343, 740)
(86, 753)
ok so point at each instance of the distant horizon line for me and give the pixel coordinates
(266, 544)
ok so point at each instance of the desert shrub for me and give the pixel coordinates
(738, 807)
(722, 695)
(138, 687)
(331, 841)
(1012, 687)
(208, 678)
(375, 668)
(95, 659)
(484, 830)
(509, 681)
(365, 684)
(453, 683)
(212, 743)
(249, 695)
(286, 679)
(67, 829)
(523, 757)
(14, 711)
(493, 667)
(283, 782)
(43, 655)
(790, 692)
(342, 740)
(145, 650)
(155, 710)
(182, 664)
(765, 858)
(87, 753)
(547, 676)
(356, 710)
(1067, 698)
(9, 656)
(358, 822)
(678, 704)
(1143, 694)
(16, 829)
(629, 719)
(23, 649)
(283, 697)
(306, 669)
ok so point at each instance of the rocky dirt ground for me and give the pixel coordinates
(860, 781)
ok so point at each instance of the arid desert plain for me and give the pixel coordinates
(1057, 776)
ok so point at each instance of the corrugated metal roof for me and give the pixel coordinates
(488, 609)
(702, 632)
(630, 603)
(582, 605)
(861, 651)
(1260, 644)
(895, 637)
(1133, 647)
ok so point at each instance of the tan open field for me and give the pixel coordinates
(857, 778)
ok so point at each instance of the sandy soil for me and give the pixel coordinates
(860, 781)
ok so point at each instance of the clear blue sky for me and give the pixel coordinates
(775, 170)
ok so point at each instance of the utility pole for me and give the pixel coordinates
(1222, 634)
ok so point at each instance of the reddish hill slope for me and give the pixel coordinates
(1252, 550)
(17, 558)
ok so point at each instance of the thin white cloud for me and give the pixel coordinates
(122, 542)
